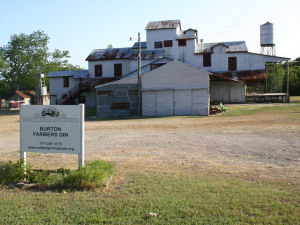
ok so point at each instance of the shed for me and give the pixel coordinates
(226, 90)
(172, 89)
(175, 89)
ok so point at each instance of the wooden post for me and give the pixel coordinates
(139, 77)
(22, 152)
(81, 154)
(287, 78)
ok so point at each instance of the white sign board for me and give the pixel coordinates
(52, 129)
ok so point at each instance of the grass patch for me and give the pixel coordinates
(295, 99)
(243, 110)
(91, 176)
(90, 112)
(176, 198)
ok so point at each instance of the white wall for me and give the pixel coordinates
(56, 86)
(159, 35)
(227, 92)
(108, 67)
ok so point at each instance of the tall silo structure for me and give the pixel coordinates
(267, 39)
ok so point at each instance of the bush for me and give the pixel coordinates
(12, 172)
(91, 176)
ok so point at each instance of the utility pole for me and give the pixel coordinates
(139, 77)
(288, 80)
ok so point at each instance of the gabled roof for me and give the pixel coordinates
(30, 93)
(22, 94)
(190, 29)
(233, 46)
(165, 24)
(69, 73)
(123, 53)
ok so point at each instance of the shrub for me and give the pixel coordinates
(91, 176)
(12, 172)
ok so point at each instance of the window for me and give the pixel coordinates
(231, 63)
(158, 44)
(168, 43)
(66, 82)
(206, 60)
(118, 70)
(81, 99)
(182, 42)
(98, 70)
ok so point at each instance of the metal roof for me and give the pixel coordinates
(143, 45)
(69, 73)
(123, 53)
(165, 24)
(233, 46)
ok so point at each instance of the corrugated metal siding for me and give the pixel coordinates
(182, 102)
(164, 103)
(175, 102)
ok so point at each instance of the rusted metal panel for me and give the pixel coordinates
(166, 24)
(109, 93)
(124, 53)
(251, 76)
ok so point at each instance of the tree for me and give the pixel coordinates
(24, 57)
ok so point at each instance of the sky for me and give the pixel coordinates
(81, 26)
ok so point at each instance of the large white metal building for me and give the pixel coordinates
(166, 41)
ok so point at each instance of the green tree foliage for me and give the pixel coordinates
(276, 81)
(295, 80)
(276, 77)
(24, 57)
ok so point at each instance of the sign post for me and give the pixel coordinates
(52, 129)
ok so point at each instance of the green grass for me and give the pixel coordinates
(243, 110)
(90, 112)
(177, 199)
(93, 175)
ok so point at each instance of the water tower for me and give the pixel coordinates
(267, 39)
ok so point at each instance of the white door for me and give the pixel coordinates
(183, 102)
(149, 103)
(200, 102)
(164, 103)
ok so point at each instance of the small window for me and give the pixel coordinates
(168, 43)
(207, 60)
(81, 99)
(98, 70)
(232, 64)
(118, 70)
(66, 82)
(182, 42)
(158, 44)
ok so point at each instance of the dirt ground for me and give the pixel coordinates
(258, 146)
